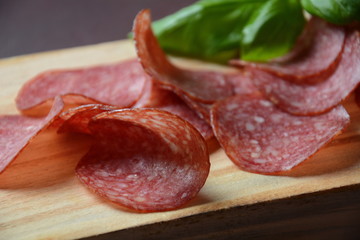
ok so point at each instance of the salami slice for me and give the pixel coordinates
(17, 131)
(162, 99)
(115, 84)
(146, 160)
(314, 99)
(77, 119)
(242, 84)
(203, 86)
(258, 137)
(202, 109)
(148, 95)
(313, 64)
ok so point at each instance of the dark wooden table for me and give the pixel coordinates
(42, 25)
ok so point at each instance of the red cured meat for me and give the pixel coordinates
(168, 101)
(243, 83)
(149, 94)
(203, 86)
(116, 84)
(314, 99)
(17, 131)
(202, 109)
(146, 160)
(153, 96)
(77, 119)
(314, 63)
(258, 137)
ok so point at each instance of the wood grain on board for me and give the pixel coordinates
(40, 197)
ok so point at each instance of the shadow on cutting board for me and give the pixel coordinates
(48, 160)
(340, 154)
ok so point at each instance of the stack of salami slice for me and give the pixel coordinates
(153, 122)
(268, 117)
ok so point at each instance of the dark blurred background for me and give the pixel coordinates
(28, 26)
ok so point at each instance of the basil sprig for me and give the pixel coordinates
(335, 11)
(218, 30)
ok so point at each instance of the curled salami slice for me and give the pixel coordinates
(77, 119)
(153, 96)
(116, 84)
(17, 131)
(144, 159)
(148, 95)
(203, 86)
(258, 137)
(202, 109)
(314, 63)
(314, 99)
(242, 84)
(162, 99)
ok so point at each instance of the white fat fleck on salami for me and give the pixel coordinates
(101, 173)
(259, 119)
(131, 177)
(143, 120)
(319, 98)
(259, 161)
(298, 122)
(145, 165)
(231, 107)
(265, 103)
(249, 127)
(278, 143)
(184, 195)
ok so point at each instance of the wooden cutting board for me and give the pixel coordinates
(40, 197)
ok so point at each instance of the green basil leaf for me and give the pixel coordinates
(272, 30)
(218, 30)
(335, 11)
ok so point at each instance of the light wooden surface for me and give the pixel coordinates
(40, 197)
